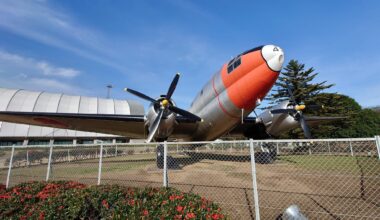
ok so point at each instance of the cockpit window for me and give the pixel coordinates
(233, 64)
(230, 68)
(237, 63)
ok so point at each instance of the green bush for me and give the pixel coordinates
(72, 200)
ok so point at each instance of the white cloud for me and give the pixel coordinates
(18, 71)
(17, 63)
(50, 70)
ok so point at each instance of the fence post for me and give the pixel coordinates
(116, 151)
(328, 145)
(68, 155)
(10, 166)
(100, 163)
(27, 157)
(165, 164)
(278, 149)
(377, 140)
(49, 163)
(352, 152)
(254, 182)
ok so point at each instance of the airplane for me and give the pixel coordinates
(221, 107)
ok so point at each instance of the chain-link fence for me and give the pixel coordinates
(326, 179)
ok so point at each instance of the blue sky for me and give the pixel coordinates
(78, 47)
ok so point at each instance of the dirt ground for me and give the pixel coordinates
(320, 191)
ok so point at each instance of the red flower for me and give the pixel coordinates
(179, 208)
(190, 215)
(16, 191)
(145, 212)
(5, 196)
(105, 204)
(23, 217)
(42, 216)
(216, 216)
(60, 207)
(172, 197)
(178, 217)
(164, 202)
(42, 195)
(131, 202)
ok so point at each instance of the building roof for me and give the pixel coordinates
(29, 101)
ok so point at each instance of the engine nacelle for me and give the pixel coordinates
(167, 122)
(278, 123)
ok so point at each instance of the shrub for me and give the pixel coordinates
(72, 200)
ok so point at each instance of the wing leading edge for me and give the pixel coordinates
(125, 125)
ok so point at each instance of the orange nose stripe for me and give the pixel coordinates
(248, 62)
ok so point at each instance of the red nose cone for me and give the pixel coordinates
(254, 77)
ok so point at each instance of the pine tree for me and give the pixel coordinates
(300, 82)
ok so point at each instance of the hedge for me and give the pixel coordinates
(72, 200)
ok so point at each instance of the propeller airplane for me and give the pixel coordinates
(221, 107)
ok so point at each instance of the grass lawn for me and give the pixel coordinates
(335, 163)
(85, 168)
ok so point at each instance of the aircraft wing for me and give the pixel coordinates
(316, 120)
(69, 113)
(124, 125)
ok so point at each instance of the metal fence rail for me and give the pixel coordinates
(326, 179)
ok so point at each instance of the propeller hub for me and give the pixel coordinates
(300, 107)
(165, 103)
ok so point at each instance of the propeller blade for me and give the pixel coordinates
(155, 125)
(139, 94)
(305, 127)
(184, 113)
(315, 107)
(172, 87)
(283, 111)
(290, 93)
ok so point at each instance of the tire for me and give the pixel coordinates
(263, 157)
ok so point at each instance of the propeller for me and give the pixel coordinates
(164, 104)
(296, 112)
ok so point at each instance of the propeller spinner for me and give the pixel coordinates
(164, 104)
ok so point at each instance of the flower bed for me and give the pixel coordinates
(72, 200)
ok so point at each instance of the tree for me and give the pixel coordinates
(358, 122)
(300, 82)
(335, 105)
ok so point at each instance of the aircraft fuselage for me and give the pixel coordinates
(235, 90)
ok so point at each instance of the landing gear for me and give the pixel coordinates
(268, 155)
(172, 163)
(160, 156)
